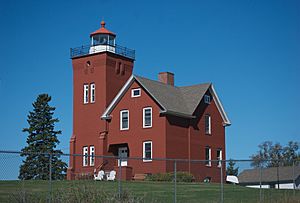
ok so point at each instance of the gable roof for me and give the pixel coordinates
(179, 101)
(285, 173)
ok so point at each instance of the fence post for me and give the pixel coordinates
(222, 188)
(294, 183)
(120, 176)
(175, 182)
(260, 187)
(278, 176)
(50, 177)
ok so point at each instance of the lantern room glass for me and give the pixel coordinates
(102, 39)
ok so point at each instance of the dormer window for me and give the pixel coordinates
(207, 99)
(136, 92)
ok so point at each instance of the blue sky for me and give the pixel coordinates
(250, 50)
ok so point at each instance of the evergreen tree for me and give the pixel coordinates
(230, 168)
(42, 140)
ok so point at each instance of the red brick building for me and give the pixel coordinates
(121, 114)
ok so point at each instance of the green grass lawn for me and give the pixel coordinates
(148, 191)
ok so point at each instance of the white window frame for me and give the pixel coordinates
(209, 156)
(207, 131)
(92, 155)
(144, 118)
(121, 119)
(144, 152)
(85, 156)
(220, 157)
(85, 93)
(207, 99)
(132, 92)
(93, 92)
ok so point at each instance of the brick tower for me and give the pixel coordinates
(99, 72)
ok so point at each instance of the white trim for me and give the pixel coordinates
(209, 124)
(144, 154)
(85, 156)
(92, 155)
(135, 89)
(219, 106)
(93, 92)
(121, 119)
(85, 93)
(117, 98)
(209, 156)
(163, 108)
(144, 110)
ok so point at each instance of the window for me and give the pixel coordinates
(124, 120)
(147, 151)
(208, 156)
(85, 156)
(219, 157)
(207, 124)
(92, 155)
(207, 99)
(136, 92)
(147, 117)
(85, 93)
(93, 88)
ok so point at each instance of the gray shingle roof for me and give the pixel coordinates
(181, 100)
(269, 174)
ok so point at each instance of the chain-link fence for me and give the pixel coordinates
(136, 179)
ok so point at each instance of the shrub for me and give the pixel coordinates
(185, 177)
(168, 177)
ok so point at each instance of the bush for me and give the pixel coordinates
(185, 177)
(168, 177)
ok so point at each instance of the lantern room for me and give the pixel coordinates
(102, 40)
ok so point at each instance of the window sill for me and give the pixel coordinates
(145, 161)
(124, 129)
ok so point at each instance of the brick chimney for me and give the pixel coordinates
(166, 77)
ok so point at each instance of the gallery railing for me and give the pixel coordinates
(90, 49)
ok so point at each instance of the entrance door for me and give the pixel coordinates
(123, 152)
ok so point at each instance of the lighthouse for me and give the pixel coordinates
(100, 70)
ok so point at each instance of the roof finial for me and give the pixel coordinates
(102, 23)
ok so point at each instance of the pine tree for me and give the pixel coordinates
(41, 141)
(231, 170)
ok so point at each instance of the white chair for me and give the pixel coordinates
(111, 176)
(100, 175)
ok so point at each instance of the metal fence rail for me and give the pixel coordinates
(117, 49)
(170, 189)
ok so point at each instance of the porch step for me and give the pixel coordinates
(139, 176)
